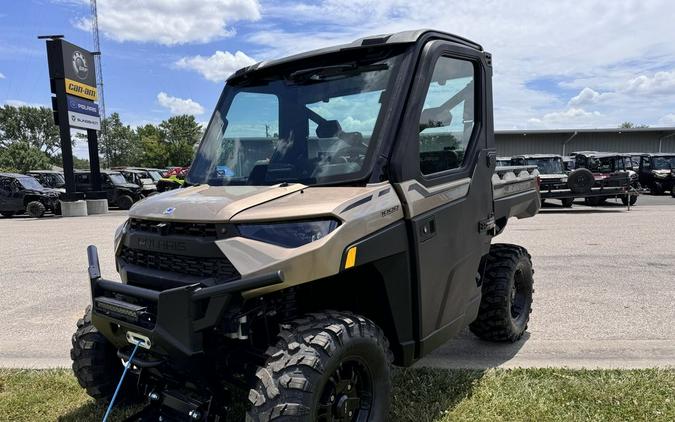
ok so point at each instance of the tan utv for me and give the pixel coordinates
(337, 219)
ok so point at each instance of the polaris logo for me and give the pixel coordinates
(160, 244)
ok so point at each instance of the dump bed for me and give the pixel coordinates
(515, 192)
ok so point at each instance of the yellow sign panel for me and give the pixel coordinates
(80, 89)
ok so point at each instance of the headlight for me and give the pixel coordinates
(291, 234)
(563, 180)
(119, 234)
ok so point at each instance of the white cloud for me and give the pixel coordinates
(2, 76)
(20, 103)
(179, 105)
(217, 67)
(571, 117)
(171, 22)
(667, 120)
(662, 83)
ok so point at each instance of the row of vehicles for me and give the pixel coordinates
(597, 176)
(37, 191)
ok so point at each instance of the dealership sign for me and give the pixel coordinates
(84, 121)
(78, 105)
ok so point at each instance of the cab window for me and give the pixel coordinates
(447, 118)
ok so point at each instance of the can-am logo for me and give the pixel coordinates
(80, 65)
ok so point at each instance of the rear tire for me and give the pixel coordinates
(35, 209)
(567, 202)
(323, 367)
(124, 202)
(633, 199)
(507, 294)
(580, 180)
(96, 365)
(657, 188)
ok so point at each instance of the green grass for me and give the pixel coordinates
(420, 395)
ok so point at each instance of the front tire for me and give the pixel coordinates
(35, 209)
(567, 202)
(95, 363)
(124, 202)
(324, 367)
(507, 289)
(7, 214)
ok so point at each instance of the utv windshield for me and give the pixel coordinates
(30, 183)
(551, 165)
(117, 179)
(664, 163)
(310, 125)
(603, 165)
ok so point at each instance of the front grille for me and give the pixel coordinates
(201, 267)
(206, 230)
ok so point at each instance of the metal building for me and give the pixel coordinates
(564, 141)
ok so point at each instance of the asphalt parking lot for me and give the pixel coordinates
(605, 288)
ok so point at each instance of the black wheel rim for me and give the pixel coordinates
(519, 298)
(348, 393)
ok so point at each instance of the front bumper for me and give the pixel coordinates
(172, 320)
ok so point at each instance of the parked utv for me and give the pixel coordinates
(551, 172)
(49, 179)
(20, 193)
(338, 218)
(140, 178)
(119, 191)
(612, 175)
(656, 172)
(172, 179)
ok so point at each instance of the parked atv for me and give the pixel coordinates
(338, 219)
(612, 175)
(20, 193)
(120, 193)
(172, 179)
(656, 172)
(551, 172)
(49, 179)
(142, 179)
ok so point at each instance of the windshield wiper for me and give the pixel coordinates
(335, 71)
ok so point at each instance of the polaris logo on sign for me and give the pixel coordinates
(78, 105)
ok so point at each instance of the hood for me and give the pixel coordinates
(208, 203)
(662, 172)
(552, 176)
(131, 186)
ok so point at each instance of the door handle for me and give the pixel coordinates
(427, 229)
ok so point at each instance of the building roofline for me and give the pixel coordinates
(571, 131)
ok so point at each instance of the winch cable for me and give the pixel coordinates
(119, 384)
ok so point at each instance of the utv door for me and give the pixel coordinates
(11, 198)
(445, 159)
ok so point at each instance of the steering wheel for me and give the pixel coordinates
(349, 154)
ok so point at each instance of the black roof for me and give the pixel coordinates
(13, 175)
(535, 156)
(404, 37)
(659, 154)
(601, 154)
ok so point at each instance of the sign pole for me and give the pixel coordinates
(94, 165)
(59, 88)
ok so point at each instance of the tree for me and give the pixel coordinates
(180, 134)
(33, 126)
(78, 163)
(120, 144)
(154, 151)
(21, 157)
(631, 125)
